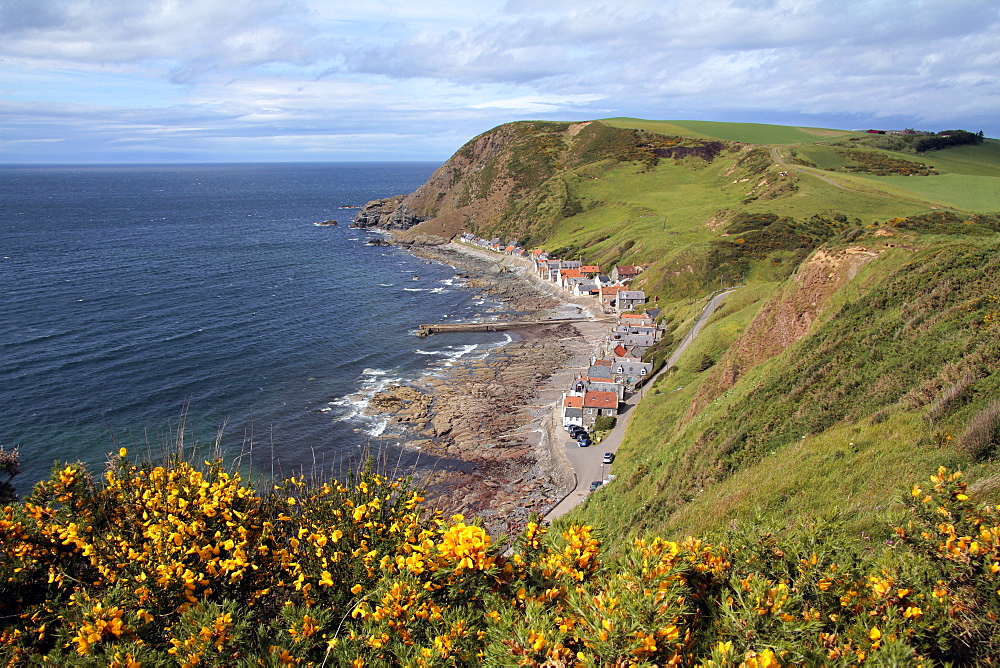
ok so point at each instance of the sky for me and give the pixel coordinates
(140, 81)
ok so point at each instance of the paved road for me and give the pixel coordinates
(586, 462)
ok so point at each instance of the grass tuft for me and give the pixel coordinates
(982, 434)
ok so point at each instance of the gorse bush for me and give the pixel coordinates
(176, 565)
(881, 164)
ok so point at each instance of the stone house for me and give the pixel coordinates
(629, 299)
(609, 297)
(598, 404)
(637, 319)
(625, 272)
(630, 371)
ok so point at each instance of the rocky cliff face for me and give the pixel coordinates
(474, 188)
(390, 213)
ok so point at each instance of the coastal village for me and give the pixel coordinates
(616, 370)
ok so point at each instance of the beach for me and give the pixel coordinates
(489, 424)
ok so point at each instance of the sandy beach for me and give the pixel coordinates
(489, 423)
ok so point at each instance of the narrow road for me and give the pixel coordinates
(587, 462)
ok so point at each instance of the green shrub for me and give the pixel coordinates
(705, 363)
(605, 423)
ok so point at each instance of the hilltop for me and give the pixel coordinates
(861, 351)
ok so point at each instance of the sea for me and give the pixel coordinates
(157, 307)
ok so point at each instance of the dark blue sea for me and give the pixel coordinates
(135, 299)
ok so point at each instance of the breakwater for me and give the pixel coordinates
(427, 330)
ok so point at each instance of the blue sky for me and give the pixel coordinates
(103, 81)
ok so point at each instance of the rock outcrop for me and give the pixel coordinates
(390, 213)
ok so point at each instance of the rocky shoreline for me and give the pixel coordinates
(487, 423)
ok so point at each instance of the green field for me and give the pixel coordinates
(747, 133)
(981, 160)
(966, 178)
(968, 193)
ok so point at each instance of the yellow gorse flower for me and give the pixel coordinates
(184, 560)
(466, 547)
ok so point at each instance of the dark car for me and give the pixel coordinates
(594, 485)
(608, 457)
(575, 430)
(583, 441)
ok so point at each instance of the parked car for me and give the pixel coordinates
(594, 485)
(575, 430)
(583, 441)
(608, 457)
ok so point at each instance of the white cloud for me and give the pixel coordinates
(536, 104)
(194, 72)
(180, 31)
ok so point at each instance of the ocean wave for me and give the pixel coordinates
(352, 406)
(376, 427)
(461, 351)
(345, 407)
(450, 352)
(458, 353)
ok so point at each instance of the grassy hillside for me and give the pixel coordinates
(901, 361)
(858, 355)
(963, 178)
